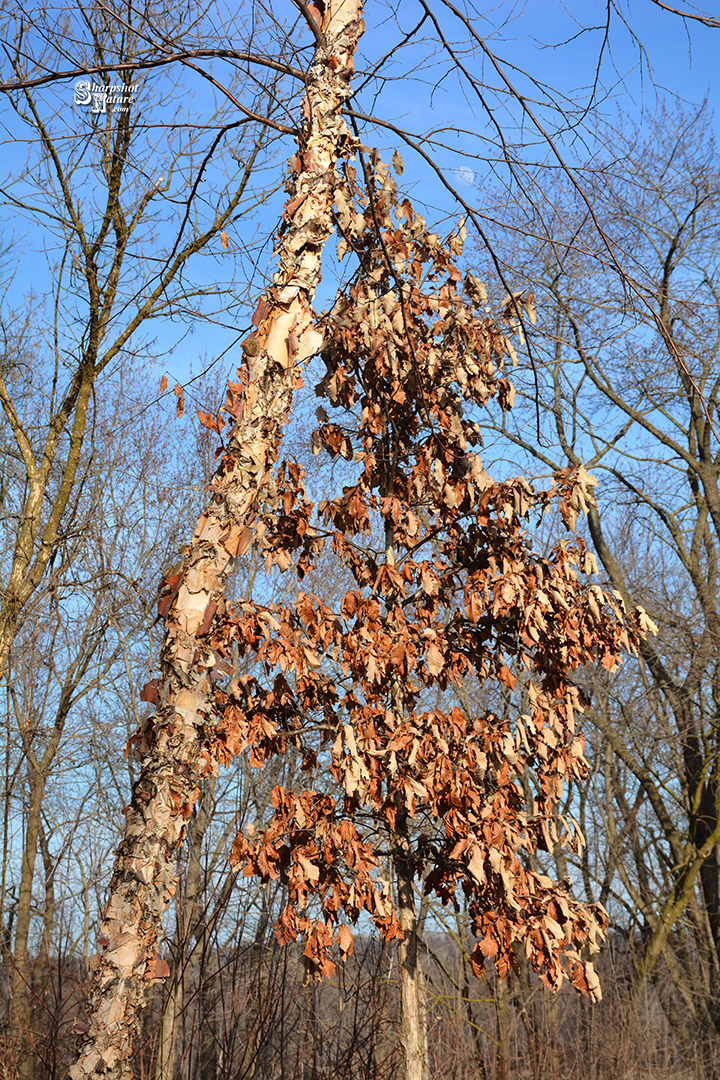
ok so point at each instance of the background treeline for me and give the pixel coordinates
(99, 484)
(245, 1012)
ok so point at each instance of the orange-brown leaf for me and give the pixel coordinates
(345, 941)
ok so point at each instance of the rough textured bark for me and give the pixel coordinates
(173, 747)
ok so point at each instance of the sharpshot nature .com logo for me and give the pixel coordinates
(102, 98)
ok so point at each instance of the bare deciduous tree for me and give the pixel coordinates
(626, 380)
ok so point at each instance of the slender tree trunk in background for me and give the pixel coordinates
(49, 913)
(172, 762)
(552, 1056)
(312, 1067)
(165, 1061)
(502, 1012)
(36, 1013)
(413, 1024)
(413, 1036)
(22, 977)
(189, 932)
(257, 999)
(470, 1019)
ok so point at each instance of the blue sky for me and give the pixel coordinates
(649, 54)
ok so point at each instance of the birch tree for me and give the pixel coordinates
(174, 746)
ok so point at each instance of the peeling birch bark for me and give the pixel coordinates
(170, 750)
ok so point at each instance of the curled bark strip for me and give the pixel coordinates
(170, 749)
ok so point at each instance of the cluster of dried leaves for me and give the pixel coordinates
(446, 590)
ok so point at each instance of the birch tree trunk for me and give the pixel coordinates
(170, 749)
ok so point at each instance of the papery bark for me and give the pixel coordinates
(171, 750)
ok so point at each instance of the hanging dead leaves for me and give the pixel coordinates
(446, 590)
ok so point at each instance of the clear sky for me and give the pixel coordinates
(549, 50)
